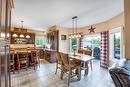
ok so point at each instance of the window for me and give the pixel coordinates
(87, 42)
(116, 43)
(39, 41)
(117, 38)
(96, 41)
(92, 42)
(74, 44)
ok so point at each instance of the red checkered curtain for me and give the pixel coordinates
(104, 55)
(81, 42)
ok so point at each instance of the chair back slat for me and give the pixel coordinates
(22, 56)
(58, 57)
(80, 51)
(65, 58)
(88, 52)
(12, 54)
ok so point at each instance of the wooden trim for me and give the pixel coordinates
(11, 3)
(22, 32)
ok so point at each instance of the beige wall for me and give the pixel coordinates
(37, 33)
(127, 28)
(112, 23)
(64, 45)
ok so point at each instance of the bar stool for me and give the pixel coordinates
(22, 60)
(11, 61)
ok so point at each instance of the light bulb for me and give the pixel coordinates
(21, 35)
(15, 35)
(28, 36)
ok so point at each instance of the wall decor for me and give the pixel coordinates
(63, 37)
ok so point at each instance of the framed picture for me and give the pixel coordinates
(63, 37)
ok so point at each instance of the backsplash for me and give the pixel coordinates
(22, 45)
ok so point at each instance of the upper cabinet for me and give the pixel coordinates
(52, 39)
(21, 36)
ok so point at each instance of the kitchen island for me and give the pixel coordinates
(50, 55)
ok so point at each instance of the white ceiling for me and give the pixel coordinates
(40, 14)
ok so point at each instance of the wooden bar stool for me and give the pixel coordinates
(22, 60)
(11, 61)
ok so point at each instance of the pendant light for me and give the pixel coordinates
(75, 34)
(28, 36)
(21, 35)
(15, 35)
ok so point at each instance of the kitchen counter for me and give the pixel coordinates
(50, 55)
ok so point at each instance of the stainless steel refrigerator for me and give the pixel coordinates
(5, 25)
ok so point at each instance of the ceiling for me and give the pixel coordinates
(41, 14)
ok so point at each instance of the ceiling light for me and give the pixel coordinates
(75, 34)
(21, 35)
(28, 36)
(15, 35)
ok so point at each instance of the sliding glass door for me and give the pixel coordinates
(92, 42)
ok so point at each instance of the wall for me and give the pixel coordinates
(110, 24)
(127, 28)
(64, 45)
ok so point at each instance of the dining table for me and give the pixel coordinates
(84, 59)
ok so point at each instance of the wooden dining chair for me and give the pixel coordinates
(80, 51)
(87, 52)
(59, 62)
(69, 68)
(11, 61)
(22, 60)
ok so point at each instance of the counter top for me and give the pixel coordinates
(49, 49)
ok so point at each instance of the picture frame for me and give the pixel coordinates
(63, 37)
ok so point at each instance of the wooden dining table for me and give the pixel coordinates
(84, 59)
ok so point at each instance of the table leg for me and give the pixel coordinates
(85, 68)
(91, 64)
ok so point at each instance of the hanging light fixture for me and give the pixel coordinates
(28, 36)
(75, 34)
(21, 35)
(15, 35)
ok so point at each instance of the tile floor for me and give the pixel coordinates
(45, 77)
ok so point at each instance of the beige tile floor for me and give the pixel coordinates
(45, 77)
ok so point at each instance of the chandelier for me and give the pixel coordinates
(75, 34)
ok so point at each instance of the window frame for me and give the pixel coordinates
(111, 43)
(71, 45)
(92, 36)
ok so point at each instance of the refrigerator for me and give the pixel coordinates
(5, 26)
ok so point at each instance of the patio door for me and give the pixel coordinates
(116, 44)
(92, 42)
